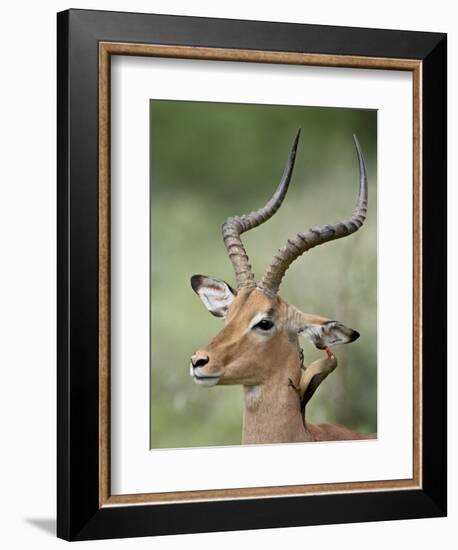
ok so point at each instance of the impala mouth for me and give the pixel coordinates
(204, 379)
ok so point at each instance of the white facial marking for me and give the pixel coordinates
(203, 379)
(260, 333)
(208, 382)
(258, 317)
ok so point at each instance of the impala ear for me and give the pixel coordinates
(215, 294)
(323, 332)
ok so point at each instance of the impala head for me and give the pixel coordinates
(261, 329)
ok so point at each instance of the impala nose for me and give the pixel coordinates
(199, 360)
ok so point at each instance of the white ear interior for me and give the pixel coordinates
(215, 294)
(329, 334)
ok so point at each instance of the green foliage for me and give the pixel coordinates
(210, 161)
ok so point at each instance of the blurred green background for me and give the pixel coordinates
(210, 161)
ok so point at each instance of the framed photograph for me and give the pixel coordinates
(252, 274)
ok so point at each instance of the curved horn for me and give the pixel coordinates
(233, 227)
(306, 240)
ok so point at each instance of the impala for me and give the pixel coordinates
(258, 347)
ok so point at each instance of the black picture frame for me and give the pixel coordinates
(80, 516)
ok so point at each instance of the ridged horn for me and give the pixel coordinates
(315, 236)
(233, 227)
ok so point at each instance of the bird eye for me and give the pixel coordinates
(265, 324)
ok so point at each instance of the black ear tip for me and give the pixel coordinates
(355, 336)
(196, 282)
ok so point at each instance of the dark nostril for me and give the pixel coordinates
(201, 361)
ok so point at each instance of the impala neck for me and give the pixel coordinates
(272, 410)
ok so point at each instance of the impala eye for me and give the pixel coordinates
(265, 324)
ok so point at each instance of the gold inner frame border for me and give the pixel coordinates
(106, 50)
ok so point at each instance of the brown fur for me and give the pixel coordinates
(269, 368)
